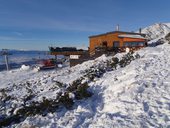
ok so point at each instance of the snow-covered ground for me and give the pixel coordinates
(135, 96)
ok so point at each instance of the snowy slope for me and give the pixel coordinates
(157, 30)
(140, 95)
(135, 96)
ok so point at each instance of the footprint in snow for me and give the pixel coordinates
(145, 106)
(141, 89)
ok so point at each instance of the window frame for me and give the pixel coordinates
(134, 44)
(116, 42)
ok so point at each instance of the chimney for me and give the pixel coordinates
(140, 30)
(117, 27)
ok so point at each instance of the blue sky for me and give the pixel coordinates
(37, 24)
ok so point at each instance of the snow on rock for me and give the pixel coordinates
(25, 67)
(71, 95)
(59, 65)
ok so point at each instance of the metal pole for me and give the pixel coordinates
(6, 61)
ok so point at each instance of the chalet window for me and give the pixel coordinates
(116, 44)
(133, 44)
(141, 44)
(127, 44)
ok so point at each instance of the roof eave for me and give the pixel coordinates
(117, 32)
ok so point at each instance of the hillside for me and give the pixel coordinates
(134, 96)
(133, 92)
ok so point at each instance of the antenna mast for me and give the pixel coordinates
(117, 27)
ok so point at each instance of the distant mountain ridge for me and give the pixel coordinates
(157, 30)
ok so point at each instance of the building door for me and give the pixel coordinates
(104, 44)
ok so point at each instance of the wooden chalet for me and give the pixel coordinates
(117, 40)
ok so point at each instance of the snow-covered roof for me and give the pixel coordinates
(120, 32)
(132, 36)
